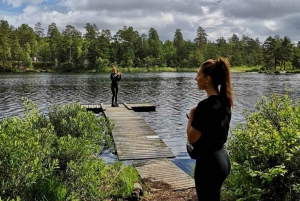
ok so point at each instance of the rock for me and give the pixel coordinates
(137, 192)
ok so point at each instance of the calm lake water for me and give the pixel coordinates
(172, 93)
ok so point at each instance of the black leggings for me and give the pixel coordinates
(210, 172)
(114, 90)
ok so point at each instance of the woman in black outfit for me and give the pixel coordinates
(208, 126)
(115, 77)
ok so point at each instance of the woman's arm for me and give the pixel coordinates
(192, 134)
(114, 77)
(119, 76)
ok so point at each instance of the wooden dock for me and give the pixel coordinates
(137, 107)
(135, 140)
(133, 137)
(166, 171)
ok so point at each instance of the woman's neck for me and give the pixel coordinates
(211, 91)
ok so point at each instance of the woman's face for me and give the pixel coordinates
(114, 70)
(201, 79)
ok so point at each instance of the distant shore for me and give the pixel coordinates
(241, 69)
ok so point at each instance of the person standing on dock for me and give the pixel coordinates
(115, 77)
(207, 129)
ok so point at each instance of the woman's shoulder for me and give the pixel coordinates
(209, 100)
(212, 101)
(204, 103)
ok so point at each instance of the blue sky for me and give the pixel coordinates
(219, 18)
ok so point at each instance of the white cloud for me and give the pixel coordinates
(18, 3)
(255, 18)
(270, 24)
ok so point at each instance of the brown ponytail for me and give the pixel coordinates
(219, 71)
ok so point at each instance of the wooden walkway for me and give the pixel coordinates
(135, 140)
(133, 137)
(166, 171)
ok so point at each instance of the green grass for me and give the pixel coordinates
(174, 69)
(151, 69)
(160, 69)
(245, 69)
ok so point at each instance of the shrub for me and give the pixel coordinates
(80, 133)
(265, 153)
(93, 180)
(85, 179)
(55, 157)
(25, 155)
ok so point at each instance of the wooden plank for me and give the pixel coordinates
(144, 157)
(128, 126)
(166, 171)
(158, 151)
(127, 106)
(92, 106)
(102, 106)
(131, 142)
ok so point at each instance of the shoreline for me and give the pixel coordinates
(147, 70)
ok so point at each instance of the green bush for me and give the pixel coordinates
(265, 153)
(25, 155)
(85, 179)
(93, 180)
(55, 157)
(122, 179)
(74, 120)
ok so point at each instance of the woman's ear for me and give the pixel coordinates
(208, 79)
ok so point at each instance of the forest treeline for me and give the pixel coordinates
(71, 50)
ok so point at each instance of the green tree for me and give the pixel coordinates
(40, 34)
(252, 51)
(142, 50)
(54, 39)
(269, 50)
(212, 51)
(296, 56)
(169, 51)
(16, 50)
(127, 39)
(195, 58)
(235, 57)
(45, 51)
(5, 34)
(27, 36)
(105, 45)
(178, 42)
(69, 37)
(92, 42)
(286, 51)
(223, 47)
(201, 40)
(155, 47)
(39, 31)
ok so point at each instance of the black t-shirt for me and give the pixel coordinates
(212, 119)
(114, 79)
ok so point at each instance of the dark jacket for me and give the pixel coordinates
(114, 79)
